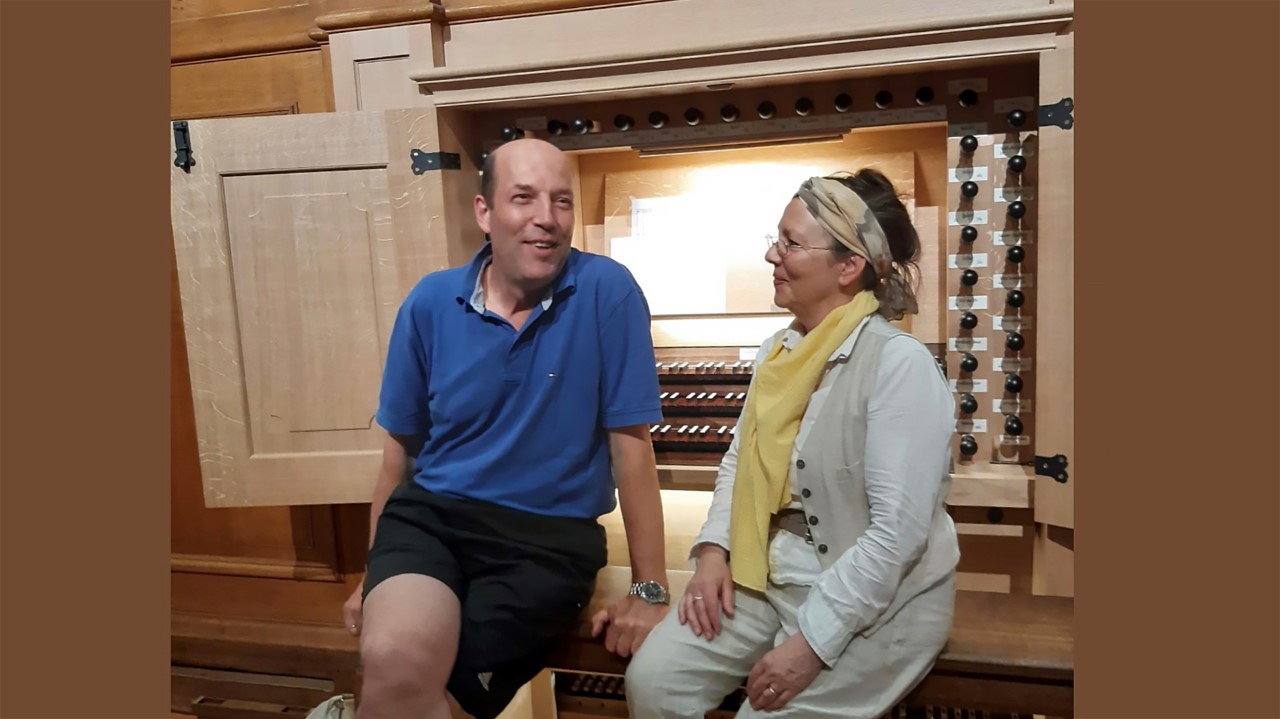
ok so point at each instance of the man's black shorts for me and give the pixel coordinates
(523, 580)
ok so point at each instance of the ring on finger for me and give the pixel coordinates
(772, 691)
(697, 598)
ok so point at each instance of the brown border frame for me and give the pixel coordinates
(1178, 554)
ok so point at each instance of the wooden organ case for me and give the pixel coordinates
(685, 150)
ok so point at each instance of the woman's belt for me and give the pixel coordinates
(793, 520)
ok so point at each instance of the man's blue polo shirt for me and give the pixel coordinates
(521, 418)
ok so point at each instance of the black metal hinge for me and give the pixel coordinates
(426, 161)
(183, 156)
(1058, 114)
(1055, 467)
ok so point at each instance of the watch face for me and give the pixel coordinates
(650, 592)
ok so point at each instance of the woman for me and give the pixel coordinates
(825, 572)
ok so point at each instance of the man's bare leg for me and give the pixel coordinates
(407, 647)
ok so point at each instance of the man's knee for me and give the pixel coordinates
(410, 635)
(399, 659)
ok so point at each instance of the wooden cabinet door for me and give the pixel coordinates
(297, 238)
(1055, 409)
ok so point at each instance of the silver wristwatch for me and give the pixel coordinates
(651, 592)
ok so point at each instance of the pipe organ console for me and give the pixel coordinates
(681, 186)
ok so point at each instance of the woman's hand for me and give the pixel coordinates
(710, 590)
(782, 674)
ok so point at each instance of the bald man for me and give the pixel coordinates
(517, 397)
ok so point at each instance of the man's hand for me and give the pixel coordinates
(628, 621)
(353, 611)
(782, 674)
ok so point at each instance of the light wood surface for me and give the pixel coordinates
(297, 239)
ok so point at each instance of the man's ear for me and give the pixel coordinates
(482, 213)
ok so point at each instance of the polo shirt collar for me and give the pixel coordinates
(472, 291)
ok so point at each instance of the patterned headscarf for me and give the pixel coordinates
(844, 214)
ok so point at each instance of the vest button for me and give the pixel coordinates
(813, 520)
(800, 464)
(822, 549)
(806, 493)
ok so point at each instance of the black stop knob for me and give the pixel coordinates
(804, 106)
(1017, 163)
(969, 144)
(969, 189)
(728, 113)
(580, 126)
(765, 110)
(884, 98)
(968, 404)
(968, 445)
(657, 119)
(968, 97)
(1015, 298)
(969, 278)
(623, 122)
(1017, 209)
(1014, 341)
(1012, 425)
(509, 133)
(1015, 254)
(969, 233)
(1013, 383)
(924, 95)
(692, 116)
(1017, 118)
(843, 102)
(969, 363)
(968, 320)
(555, 127)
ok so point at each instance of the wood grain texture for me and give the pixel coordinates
(1055, 245)
(283, 373)
(227, 30)
(631, 50)
(254, 86)
(363, 18)
(456, 11)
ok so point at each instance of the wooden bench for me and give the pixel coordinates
(1007, 652)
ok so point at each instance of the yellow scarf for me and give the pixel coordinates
(767, 432)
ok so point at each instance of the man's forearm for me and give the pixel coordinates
(641, 502)
(394, 470)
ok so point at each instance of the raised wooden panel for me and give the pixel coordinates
(371, 67)
(297, 239)
(310, 319)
